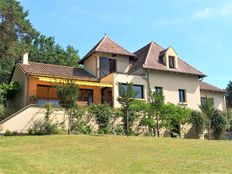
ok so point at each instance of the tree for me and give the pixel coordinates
(207, 109)
(156, 104)
(218, 124)
(198, 121)
(46, 50)
(229, 95)
(16, 34)
(126, 99)
(174, 116)
(15, 30)
(102, 114)
(67, 93)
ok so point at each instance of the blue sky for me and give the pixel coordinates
(199, 30)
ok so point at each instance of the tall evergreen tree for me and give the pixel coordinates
(18, 36)
(229, 95)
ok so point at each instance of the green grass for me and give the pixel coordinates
(112, 154)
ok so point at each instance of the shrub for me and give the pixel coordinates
(103, 114)
(3, 112)
(11, 133)
(173, 116)
(198, 120)
(218, 124)
(44, 126)
(80, 121)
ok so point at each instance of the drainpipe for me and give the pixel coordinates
(146, 77)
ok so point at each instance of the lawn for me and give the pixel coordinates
(112, 154)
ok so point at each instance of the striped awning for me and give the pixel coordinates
(78, 82)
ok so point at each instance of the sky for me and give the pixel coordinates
(199, 30)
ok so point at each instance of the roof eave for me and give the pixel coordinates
(87, 56)
(217, 91)
(199, 75)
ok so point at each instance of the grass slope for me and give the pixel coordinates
(113, 154)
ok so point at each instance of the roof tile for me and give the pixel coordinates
(35, 68)
(208, 87)
(148, 57)
(106, 45)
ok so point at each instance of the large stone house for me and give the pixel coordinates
(105, 66)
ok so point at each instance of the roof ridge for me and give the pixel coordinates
(65, 66)
(119, 45)
(157, 44)
(100, 42)
(148, 53)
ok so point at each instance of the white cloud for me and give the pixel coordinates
(209, 12)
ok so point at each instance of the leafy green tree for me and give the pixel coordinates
(174, 116)
(126, 99)
(67, 93)
(229, 95)
(102, 114)
(8, 91)
(207, 109)
(46, 50)
(198, 120)
(156, 104)
(218, 124)
(229, 121)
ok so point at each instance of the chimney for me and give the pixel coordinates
(25, 58)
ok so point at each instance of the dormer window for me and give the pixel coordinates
(107, 66)
(171, 60)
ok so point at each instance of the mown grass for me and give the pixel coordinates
(112, 154)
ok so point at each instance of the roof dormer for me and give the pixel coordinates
(169, 58)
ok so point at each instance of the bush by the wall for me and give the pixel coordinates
(102, 113)
(218, 124)
(198, 120)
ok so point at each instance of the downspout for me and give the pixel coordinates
(146, 77)
(26, 90)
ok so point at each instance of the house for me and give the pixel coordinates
(106, 66)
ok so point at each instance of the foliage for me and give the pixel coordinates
(18, 36)
(198, 120)
(156, 104)
(229, 95)
(45, 126)
(3, 112)
(126, 99)
(46, 50)
(102, 114)
(218, 124)
(207, 109)
(11, 133)
(8, 91)
(174, 116)
(67, 94)
(80, 121)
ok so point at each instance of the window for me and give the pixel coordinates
(85, 95)
(203, 100)
(45, 93)
(171, 60)
(137, 88)
(182, 96)
(107, 66)
(159, 90)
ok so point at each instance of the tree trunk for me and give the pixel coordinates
(209, 129)
(127, 123)
(157, 126)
